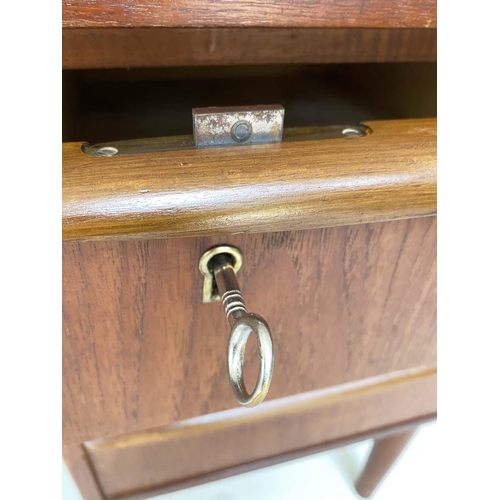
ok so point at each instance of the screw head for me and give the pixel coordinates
(352, 132)
(241, 131)
(107, 151)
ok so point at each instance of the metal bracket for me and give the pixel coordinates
(237, 125)
(230, 126)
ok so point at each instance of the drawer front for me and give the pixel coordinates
(198, 450)
(141, 350)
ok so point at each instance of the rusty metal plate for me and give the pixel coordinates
(237, 125)
(185, 142)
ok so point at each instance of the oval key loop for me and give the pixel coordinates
(242, 328)
(220, 262)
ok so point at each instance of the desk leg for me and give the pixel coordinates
(384, 453)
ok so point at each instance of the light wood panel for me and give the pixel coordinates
(141, 350)
(251, 13)
(390, 174)
(89, 48)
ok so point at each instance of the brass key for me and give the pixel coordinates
(219, 266)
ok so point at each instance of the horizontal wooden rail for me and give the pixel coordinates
(163, 459)
(86, 48)
(251, 13)
(389, 174)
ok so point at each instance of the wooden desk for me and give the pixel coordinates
(338, 238)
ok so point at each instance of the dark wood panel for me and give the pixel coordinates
(87, 48)
(141, 350)
(389, 174)
(169, 457)
(251, 13)
(120, 104)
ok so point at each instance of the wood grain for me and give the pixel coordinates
(251, 13)
(384, 453)
(390, 174)
(141, 350)
(90, 48)
(139, 464)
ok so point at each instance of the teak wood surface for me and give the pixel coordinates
(389, 174)
(89, 48)
(167, 458)
(140, 349)
(251, 13)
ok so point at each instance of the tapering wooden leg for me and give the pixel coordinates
(384, 453)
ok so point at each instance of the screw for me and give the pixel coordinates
(241, 131)
(107, 151)
(352, 132)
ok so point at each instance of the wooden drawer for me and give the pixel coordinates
(344, 304)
